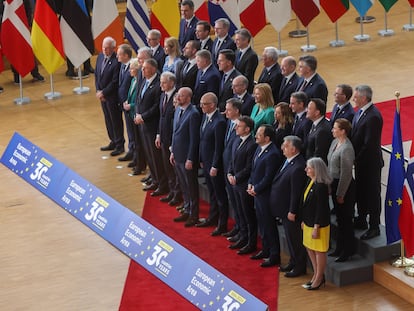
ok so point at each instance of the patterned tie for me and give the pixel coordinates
(304, 85)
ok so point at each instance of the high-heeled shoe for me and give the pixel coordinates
(307, 285)
(322, 283)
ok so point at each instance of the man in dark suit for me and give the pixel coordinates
(153, 40)
(271, 73)
(301, 125)
(246, 58)
(147, 118)
(208, 77)
(212, 131)
(223, 39)
(186, 71)
(311, 82)
(366, 140)
(238, 176)
(287, 195)
(225, 63)
(320, 136)
(239, 86)
(342, 107)
(164, 135)
(124, 54)
(203, 29)
(106, 83)
(188, 23)
(184, 154)
(266, 162)
(290, 79)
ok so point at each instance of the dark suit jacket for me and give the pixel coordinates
(247, 66)
(242, 160)
(287, 89)
(347, 112)
(124, 84)
(185, 36)
(273, 77)
(185, 78)
(208, 46)
(366, 139)
(165, 127)
(287, 188)
(208, 82)
(108, 79)
(159, 56)
(148, 105)
(316, 206)
(247, 104)
(227, 91)
(212, 141)
(228, 142)
(280, 133)
(316, 88)
(301, 129)
(227, 43)
(186, 135)
(319, 140)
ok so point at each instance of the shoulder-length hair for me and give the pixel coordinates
(321, 170)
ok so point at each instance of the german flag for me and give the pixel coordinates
(46, 37)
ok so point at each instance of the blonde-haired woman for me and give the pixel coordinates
(173, 52)
(263, 111)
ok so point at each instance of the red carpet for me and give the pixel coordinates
(143, 291)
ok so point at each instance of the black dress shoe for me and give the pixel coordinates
(248, 249)
(239, 244)
(136, 171)
(167, 198)
(132, 164)
(270, 262)
(218, 231)
(295, 273)
(260, 255)
(371, 233)
(207, 223)
(360, 223)
(286, 268)
(231, 233)
(148, 182)
(127, 157)
(146, 178)
(174, 202)
(182, 217)
(111, 146)
(150, 187)
(234, 238)
(158, 192)
(117, 152)
(192, 221)
(342, 258)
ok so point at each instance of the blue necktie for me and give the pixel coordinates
(144, 88)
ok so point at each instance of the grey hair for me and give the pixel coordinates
(271, 52)
(364, 90)
(295, 141)
(321, 170)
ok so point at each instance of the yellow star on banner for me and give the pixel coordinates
(399, 201)
(398, 156)
(389, 202)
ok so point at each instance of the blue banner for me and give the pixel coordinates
(194, 279)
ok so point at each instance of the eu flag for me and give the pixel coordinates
(393, 198)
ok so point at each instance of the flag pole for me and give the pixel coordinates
(21, 100)
(386, 32)
(410, 26)
(280, 52)
(336, 43)
(81, 89)
(362, 37)
(52, 94)
(298, 33)
(308, 47)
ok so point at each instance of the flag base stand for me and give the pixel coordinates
(362, 38)
(52, 95)
(403, 262)
(22, 100)
(81, 90)
(386, 32)
(365, 19)
(408, 27)
(298, 33)
(282, 53)
(409, 271)
(308, 48)
(337, 43)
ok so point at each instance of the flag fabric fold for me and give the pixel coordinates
(46, 36)
(1, 59)
(201, 10)
(387, 4)
(76, 31)
(362, 6)
(406, 219)
(165, 16)
(393, 197)
(306, 10)
(225, 9)
(137, 23)
(252, 15)
(411, 2)
(15, 37)
(106, 22)
(335, 8)
(278, 13)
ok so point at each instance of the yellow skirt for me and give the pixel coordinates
(321, 244)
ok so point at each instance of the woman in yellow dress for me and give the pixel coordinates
(316, 219)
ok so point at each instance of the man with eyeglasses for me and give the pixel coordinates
(153, 41)
(342, 108)
(239, 86)
(223, 39)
